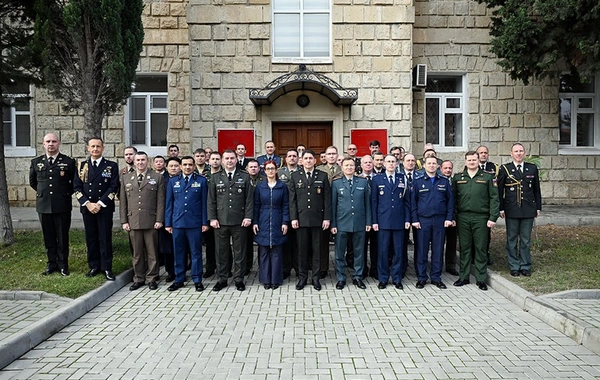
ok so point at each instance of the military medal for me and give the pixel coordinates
(239, 190)
(40, 166)
(381, 192)
(318, 190)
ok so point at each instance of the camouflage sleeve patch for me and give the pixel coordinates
(78, 195)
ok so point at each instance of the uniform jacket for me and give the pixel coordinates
(53, 183)
(230, 203)
(432, 199)
(333, 172)
(271, 211)
(350, 206)
(285, 175)
(243, 164)
(490, 167)
(310, 201)
(142, 205)
(262, 159)
(477, 195)
(101, 184)
(186, 205)
(390, 205)
(520, 194)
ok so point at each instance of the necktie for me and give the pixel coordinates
(140, 179)
(332, 170)
(186, 180)
(308, 176)
(240, 162)
(519, 169)
(391, 179)
(50, 160)
(350, 183)
(95, 164)
(409, 177)
(482, 166)
(230, 176)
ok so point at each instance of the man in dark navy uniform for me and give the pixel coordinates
(51, 176)
(310, 212)
(96, 187)
(390, 197)
(186, 219)
(269, 156)
(520, 204)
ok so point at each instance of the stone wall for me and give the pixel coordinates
(166, 50)
(453, 37)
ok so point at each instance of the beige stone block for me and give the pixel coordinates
(525, 107)
(499, 107)
(351, 48)
(155, 51)
(497, 79)
(391, 48)
(404, 65)
(398, 13)
(388, 79)
(532, 121)
(222, 65)
(222, 97)
(160, 9)
(231, 113)
(363, 64)
(543, 106)
(150, 23)
(242, 64)
(259, 32)
(489, 93)
(364, 32)
(200, 32)
(237, 32)
(161, 37)
(210, 80)
(516, 121)
(532, 92)
(47, 109)
(401, 31)
(169, 23)
(577, 162)
(225, 48)
(437, 22)
(373, 112)
(178, 9)
(489, 121)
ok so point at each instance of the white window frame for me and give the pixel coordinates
(572, 148)
(443, 110)
(149, 111)
(301, 58)
(13, 150)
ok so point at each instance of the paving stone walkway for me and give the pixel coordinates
(458, 333)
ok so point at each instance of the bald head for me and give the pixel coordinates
(51, 144)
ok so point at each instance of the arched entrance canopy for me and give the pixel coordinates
(303, 79)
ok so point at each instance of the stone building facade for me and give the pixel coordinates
(225, 67)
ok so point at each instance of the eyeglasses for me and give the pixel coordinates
(270, 168)
(351, 148)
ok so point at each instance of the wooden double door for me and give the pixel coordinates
(314, 135)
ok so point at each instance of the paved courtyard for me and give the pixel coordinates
(458, 333)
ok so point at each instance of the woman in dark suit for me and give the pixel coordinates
(271, 218)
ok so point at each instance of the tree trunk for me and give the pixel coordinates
(7, 236)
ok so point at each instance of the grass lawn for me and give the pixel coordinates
(22, 263)
(562, 258)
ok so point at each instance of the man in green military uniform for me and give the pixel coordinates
(477, 209)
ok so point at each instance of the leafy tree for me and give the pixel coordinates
(90, 50)
(17, 65)
(536, 38)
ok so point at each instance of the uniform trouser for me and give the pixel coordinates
(518, 230)
(98, 240)
(405, 251)
(209, 241)
(270, 268)
(188, 240)
(386, 240)
(324, 249)
(309, 237)
(432, 232)
(55, 228)
(237, 234)
(472, 229)
(144, 258)
(342, 241)
(450, 247)
(290, 252)
(249, 261)
(371, 242)
(350, 257)
(165, 249)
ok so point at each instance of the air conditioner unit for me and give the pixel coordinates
(420, 76)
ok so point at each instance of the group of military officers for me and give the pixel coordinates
(370, 203)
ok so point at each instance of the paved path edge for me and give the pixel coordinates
(580, 331)
(20, 343)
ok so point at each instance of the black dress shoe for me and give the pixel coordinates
(452, 271)
(482, 285)
(515, 273)
(301, 284)
(136, 285)
(219, 286)
(398, 285)
(420, 284)
(93, 272)
(323, 274)
(461, 282)
(64, 272)
(316, 284)
(525, 272)
(340, 285)
(359, 283)
(382, 285)
(199, 286)
(170, 278)
(267, 286)
(49, 270)
(174, 286)
(240, 286)
(208, 273)
(109, 275)
(152, 285)
(439, 284)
